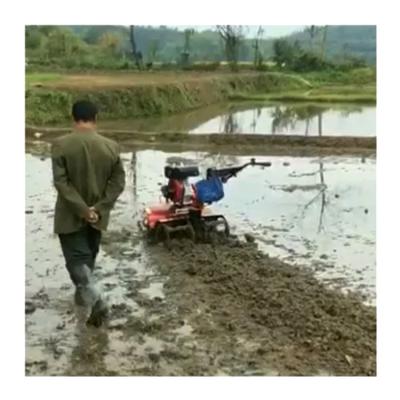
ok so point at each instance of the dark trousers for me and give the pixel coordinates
(80, 248)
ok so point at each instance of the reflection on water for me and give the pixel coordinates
(303, 119)
(296, 119)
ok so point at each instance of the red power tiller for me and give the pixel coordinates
(185, 209)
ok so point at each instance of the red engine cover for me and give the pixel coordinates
(177, 189)
(157, 213)
(166, 211)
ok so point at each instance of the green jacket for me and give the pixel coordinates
(87, 172)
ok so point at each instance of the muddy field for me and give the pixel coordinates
(298, 300)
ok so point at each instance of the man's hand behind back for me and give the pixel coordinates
(91, 216)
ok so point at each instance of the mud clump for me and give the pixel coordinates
(267, 315)
(249, 238)
(29, 307)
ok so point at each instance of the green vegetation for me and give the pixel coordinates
(354, 86)
(343, 43)
(187, 70)
(108, 47)
(309, 97)
(35, 78)
(45, 105)
(356, 76)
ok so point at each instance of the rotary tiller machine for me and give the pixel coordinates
(185, 209)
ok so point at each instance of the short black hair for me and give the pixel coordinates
(84, 110)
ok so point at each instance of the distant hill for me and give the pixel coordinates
(344, 40)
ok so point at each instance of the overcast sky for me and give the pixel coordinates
(269, 30)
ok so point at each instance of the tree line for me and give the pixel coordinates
(143, 46)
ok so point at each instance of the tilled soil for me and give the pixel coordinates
(260, 316)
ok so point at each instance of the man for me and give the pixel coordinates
(89, 176)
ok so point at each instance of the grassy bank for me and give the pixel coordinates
(356, 77)
(356, 86)
(357, 96)
(121, 96)
(49, 96)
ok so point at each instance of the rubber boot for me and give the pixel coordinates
(98, 314)
(88, 294)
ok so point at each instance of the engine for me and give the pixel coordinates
(178, 190)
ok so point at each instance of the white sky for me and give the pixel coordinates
(269, 30)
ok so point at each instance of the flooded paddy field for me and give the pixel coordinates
(309, 119)
(275, 306)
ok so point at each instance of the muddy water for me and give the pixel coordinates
(317, 212)
(298, 119)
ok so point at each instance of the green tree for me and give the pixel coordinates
(153, 50)
(284, 52)
(110, 43)
(323, 41)
(258, 57)
(63, 43)
(232, 36)
(33, 37)
(137, 55)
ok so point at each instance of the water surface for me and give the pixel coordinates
(281, 118)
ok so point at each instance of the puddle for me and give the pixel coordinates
(155, 290)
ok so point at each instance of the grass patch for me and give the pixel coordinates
(332, 98)
(358, 76)
(326, 94)
(35, 78)
(297, 97)
(346, 90)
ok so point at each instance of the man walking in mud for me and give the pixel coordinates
(89, 176)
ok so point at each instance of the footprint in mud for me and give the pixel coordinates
(29, 307)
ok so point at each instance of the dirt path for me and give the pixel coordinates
(103, 80)
(115, 80)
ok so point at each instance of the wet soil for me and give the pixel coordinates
(259, 315)
(228, 309)
(294, 145)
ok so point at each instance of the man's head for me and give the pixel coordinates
(84, 114)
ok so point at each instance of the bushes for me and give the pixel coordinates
(315, 69)
(213, 66)
(167, 66)
(309, 62)
(77, 64)
(293, 57)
